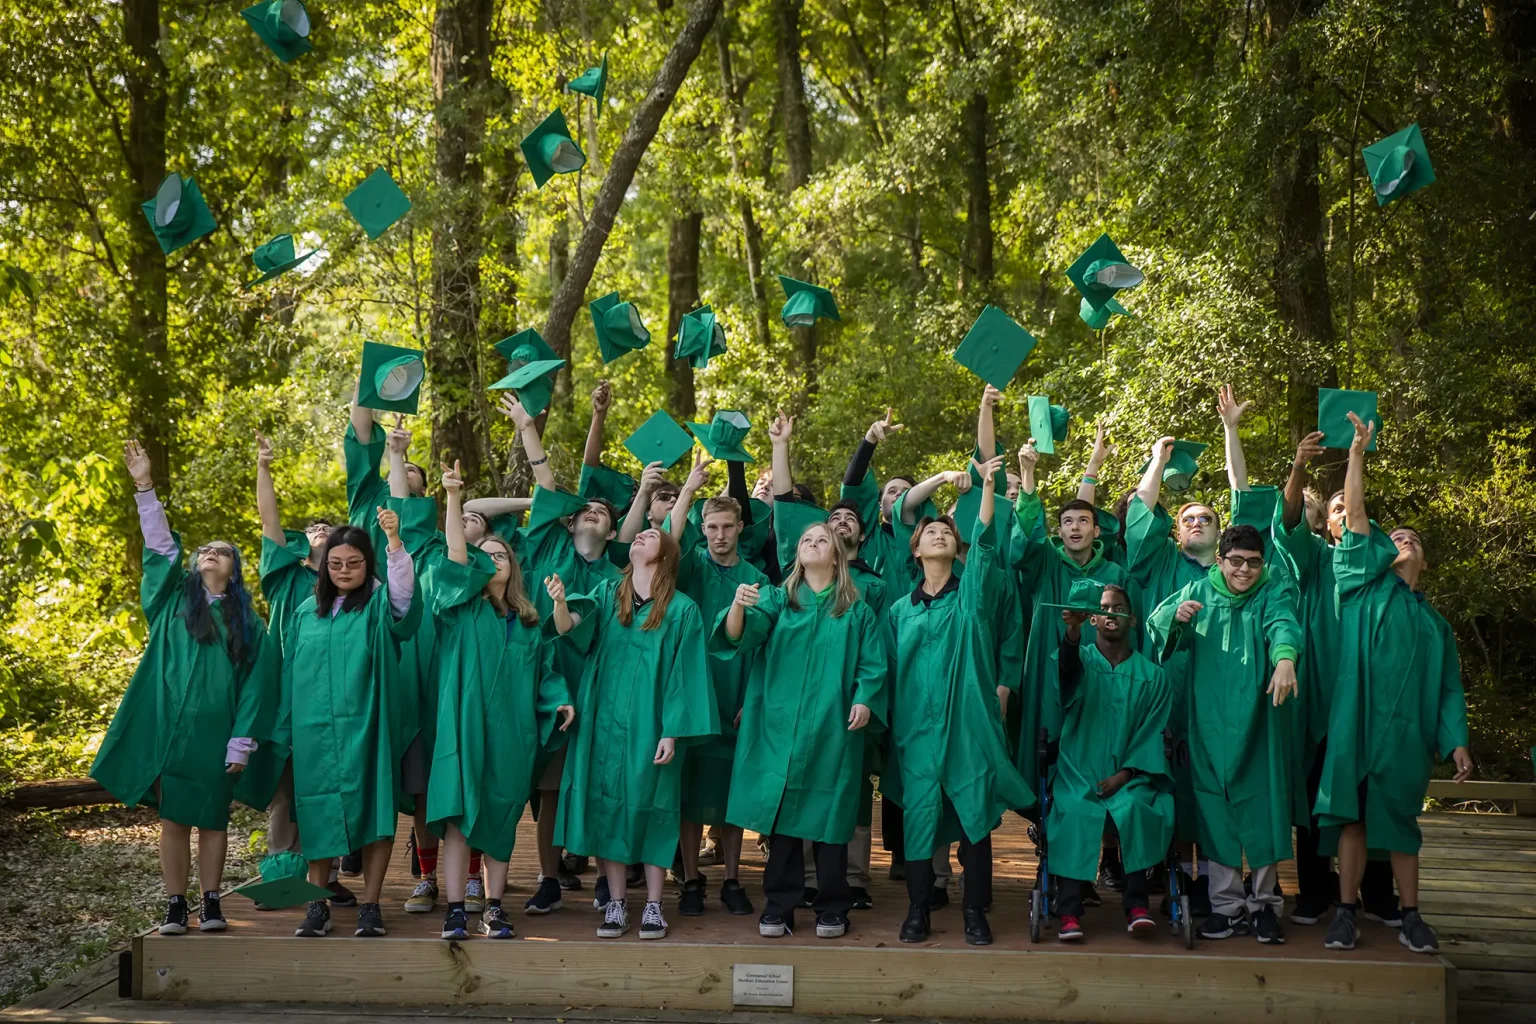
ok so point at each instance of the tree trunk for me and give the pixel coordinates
(53, 794)
(797, 149)
(567, 300)
(461, 85)
(978, 225)
(752, 235)
(682, 297)
(1513, 26)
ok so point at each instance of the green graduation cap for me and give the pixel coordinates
(531, 367)
(700, 337)
(1099, 318)
(1182, 467)
(377, 202)
(1333, 408)
(1398, 164)
(592, 82)
(995, 347)
(1085, 596)
(1047, 423)
(177, 214)
(722, 436)
(390, 378)
(1102, 271)
(283, 25)
(618, 327)
(550, 150)
(967, 509)
(284, 883)
(659, 439)
(807, 303)
(276, 257)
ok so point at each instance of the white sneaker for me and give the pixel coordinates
(652, 924)
(422, 898)
(615, 919)
(474, 896)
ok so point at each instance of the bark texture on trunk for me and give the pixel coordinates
(797, 150)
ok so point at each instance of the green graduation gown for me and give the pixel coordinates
(286, 583)
(497, 695)
(346, 711)
(1319, 610)
(884, 548)
(955, 770)
(1397, 699)
(799, 770)
(1112, 719)
(637, 686)
(1240, 745)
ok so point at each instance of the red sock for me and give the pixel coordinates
(474, 863)
(427, 855)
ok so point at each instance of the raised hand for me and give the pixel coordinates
(782, 428)
(514, 411)
(602, 397)
(389, 522)
(651, 476)
(1310, 448)
(136, 461)
(988, 469)
(990, 397)
(1028, 456)
(263, 451)
(1363, 434)
(1229, 408)
(554, 586)
(453, 479)
(1102, 449)
(699, 473)
(960, 479)
(881, 429)
(747, 594)
(1283, 682)
(1186, 612)
(858, 717)
(1162, 450)
(399, 437)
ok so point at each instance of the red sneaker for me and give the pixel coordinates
(1138, 920)
(1069, 930)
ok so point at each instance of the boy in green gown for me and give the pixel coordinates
(1397, 700)
(874, 503)
(1238, 631)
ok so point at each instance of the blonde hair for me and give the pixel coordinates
(513, 597)
(721, 503)
(663, 586)
(844, 590)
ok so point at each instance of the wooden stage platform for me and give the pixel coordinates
(1479, 880)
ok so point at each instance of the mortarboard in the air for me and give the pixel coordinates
(283, 882)
(1398, 164)
(593, 82)
(276, 257)
(1102, 271)
(1085, 596)
(722, 436)
(283, 25)
(550, 150)
(390, 378)
(1182, 467)
(1047, 424)
(618, 327)
(1099, 318)
(995, 347)
(806, 303)
(177, 214)
(531, 367)
(1333, 408)
(1255, 507)
(659, 439)
(700, 337)
(377, 202)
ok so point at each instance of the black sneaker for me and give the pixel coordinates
(1111, 872)
(317, 920)
(1266, 927)
(831, 925)
(370, 921)
(808, 897)
(938, 898)
(1417, 935)
(861, 898)
(456, 924)
(1344, 932)
(494, 923)
(572, 864)
(341, 896)
(734, 898)
(615, 919)
(691, 902)
(772, 926)
(600, 897)
(545, 899)
(977, 931)
(1308, 912)
(1219, 926)
(915, 928)
(175, 922)
(1388, 915)
(210, 917)
(352, 865)
(652, 924)
(567, 880)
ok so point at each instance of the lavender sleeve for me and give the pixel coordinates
(402, 581)
(239, 750)
(154, 525)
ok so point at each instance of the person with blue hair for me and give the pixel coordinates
(201, 699)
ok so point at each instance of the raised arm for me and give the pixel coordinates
(362, 419)
(779, 432)
(533, 445)
(677, 522)
(1354, 478)
(491, 508)
(988, 471)
(453, 522)
(1295, 497)
(399, 444)
(634, 519)
(1088, 487)
(858, 464)
(736, 487)
(266, 494)
(152, 520)
(1231, 411)
(921, 492)
(986, 426)
(602, 398)
(1151, 485)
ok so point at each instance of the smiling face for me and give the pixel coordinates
(893, 489)
(501, 555)
(937, 540)
(1241, 568)
(1078, 530)
(347, 567)
(845, 524)
(1113, 627)
(592, 524)
(722, 532)
(1197, 529)
(816, 547)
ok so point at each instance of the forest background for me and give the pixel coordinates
(919, 158)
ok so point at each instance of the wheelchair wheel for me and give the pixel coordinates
(1188, 922)
(1036, 914)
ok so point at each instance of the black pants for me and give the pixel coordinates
(890, 829)
(1069, 894)
(1317, 884)
(975, 859)
(784, 878)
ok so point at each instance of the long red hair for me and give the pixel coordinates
(663, 585)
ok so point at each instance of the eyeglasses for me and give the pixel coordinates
(499, 556)
(1238, 561)
(215, 549)
(349, 564)
(1198, 519)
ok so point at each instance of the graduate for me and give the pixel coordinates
(800, 756)
(1397, 701)
(1112, 775)
(956, 775)
(875, 503)
(645, 690)
(500, 701)
(1238, 630)
(193, 713)
(348, 708)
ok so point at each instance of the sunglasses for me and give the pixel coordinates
(351, 563)
(1238, 561)
(1198, 519)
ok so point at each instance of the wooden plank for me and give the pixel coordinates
(1518, 885)
(1174, 988)
(1494, 877)
(1491, 956)
(1474, 789)
(1436, 858)
(67, 991)
(1517, 987)
(1476, 1012)
(1489, 903)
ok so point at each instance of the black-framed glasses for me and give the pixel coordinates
(1238, 561)
(499, 556)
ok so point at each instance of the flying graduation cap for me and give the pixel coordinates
(1099, 318)
(1102, 271)
(276, 257)
(550, 150)
(700, 337)
(659, 439)
(1398, 164)
(806, 303)
(177, 215)
(1047, 424)
(1333, 408)
(531, 368)
(390, 378)
(995, 347)
(618, 327)
(592, 82)
(283, 25)
(377, 203)
(722, 436)
(1182, 467)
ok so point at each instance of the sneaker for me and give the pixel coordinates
(1343, 933)
(861, 898)
(691, 902)
(734, 898)
(1219, 926)
(210, 918)
(572, 864)
(1069, 930)
(772, 926)
(494, 923)
(370, 921)
(1091, 897)
(317, 920)
(1266, 927)
(652, 924)
(897, 871)
(545, 899)
(1390, 916)
(808, 897)
(1157, 879)
(615, 920)
(175, 922)
(474, 896)
(709, 853)
(341, 896)
(938, 898)
(600, 897)
(1308, 913)
(422, 898)
(1111, 873)
(567, 880)
(830, 925)
(1139, 920)
(456, 924)
(1417, 935)
(915, 928)
(352, 865)
(977, 931)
